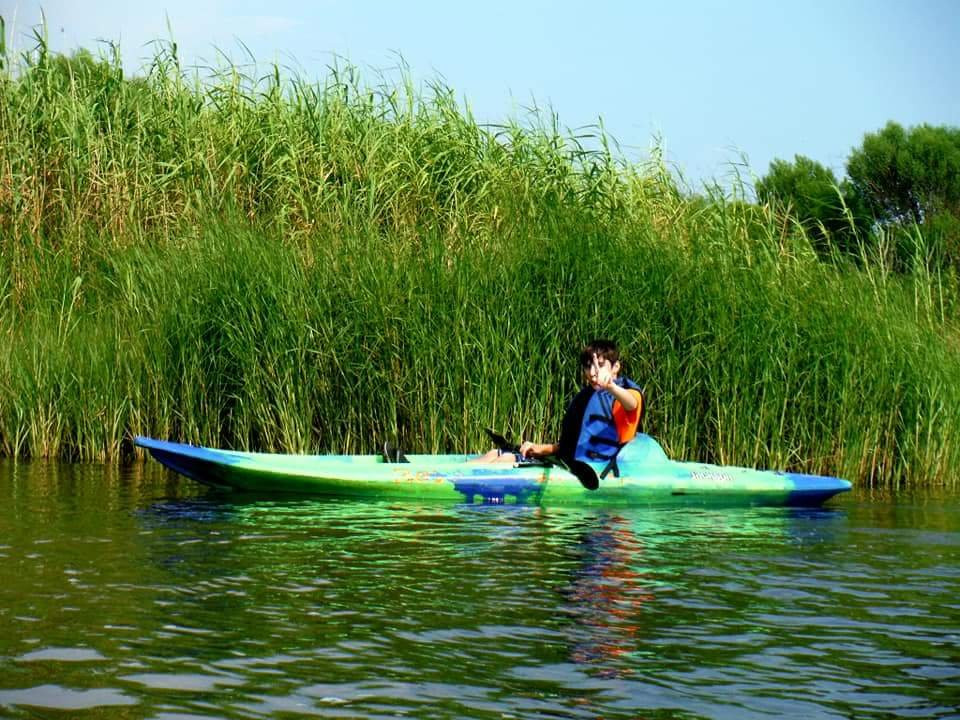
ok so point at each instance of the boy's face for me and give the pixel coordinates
(600, 373)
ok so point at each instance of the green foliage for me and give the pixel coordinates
(278, 265)
(912, 177)
(908, 174)
(828, 211)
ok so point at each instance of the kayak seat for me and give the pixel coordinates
(643, 450)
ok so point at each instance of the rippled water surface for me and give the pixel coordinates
(130, 594)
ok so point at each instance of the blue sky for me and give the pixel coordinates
(713, 80)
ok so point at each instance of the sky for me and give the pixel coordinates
(714, 83)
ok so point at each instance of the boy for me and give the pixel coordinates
(601, 418)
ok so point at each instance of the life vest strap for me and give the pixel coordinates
(600, 440)
(611, 467)
(594, 455)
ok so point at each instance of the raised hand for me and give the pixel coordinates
(601, 372)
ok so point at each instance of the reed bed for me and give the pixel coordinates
(268, 263)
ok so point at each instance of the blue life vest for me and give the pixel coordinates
(588, 431)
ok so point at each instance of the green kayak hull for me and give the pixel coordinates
(643, 476)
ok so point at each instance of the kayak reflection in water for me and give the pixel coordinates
(599, 421)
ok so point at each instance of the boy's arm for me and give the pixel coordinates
(628, 421)
(532, 449)
(606, 378)
(629, 399)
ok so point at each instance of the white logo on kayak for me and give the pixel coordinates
(709, 476)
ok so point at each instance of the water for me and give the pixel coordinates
(131, 594)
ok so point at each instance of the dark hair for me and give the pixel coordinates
(603, 349)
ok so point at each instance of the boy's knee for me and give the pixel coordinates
(490, 456)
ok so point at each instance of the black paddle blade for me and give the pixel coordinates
(500, 441)
(583, 472)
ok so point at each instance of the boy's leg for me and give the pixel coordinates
(495, 456)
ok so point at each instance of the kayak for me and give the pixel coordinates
(641, 475)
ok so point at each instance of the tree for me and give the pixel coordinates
(911, 177)
(908, 174)
(810, 192)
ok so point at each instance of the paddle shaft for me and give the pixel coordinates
(582, 471)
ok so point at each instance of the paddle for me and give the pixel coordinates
(500, 441)
(579, 469)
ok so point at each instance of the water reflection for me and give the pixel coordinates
(625, 584)
(607, 596)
